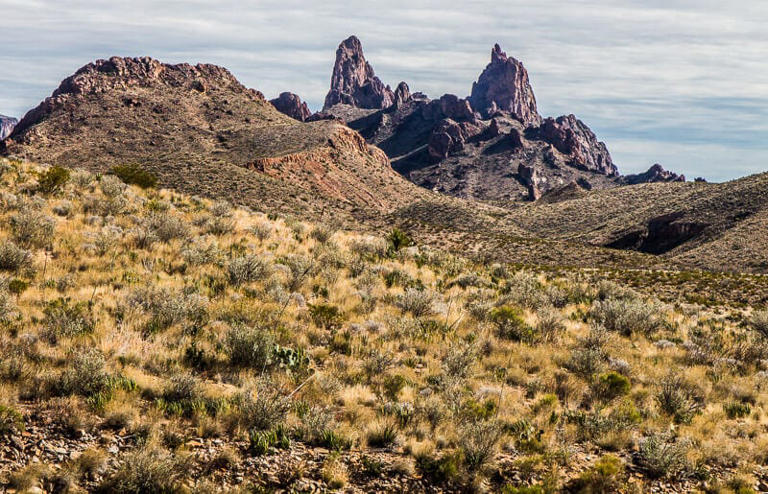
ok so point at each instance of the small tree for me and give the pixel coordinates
(398, 239)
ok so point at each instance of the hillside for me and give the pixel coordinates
(204, 133)
(154, 341)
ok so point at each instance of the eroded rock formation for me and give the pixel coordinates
(354, 82)
(290, 104)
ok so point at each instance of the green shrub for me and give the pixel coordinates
(326, 316)
(611, 385)
(510, 324)
(397, 240)
(382, 435)
(737, 410)
(628, 316)
(53, 179)
(11, 422)
(66, 318)
(262, 441)
(135, 175)
(604, 476)
(445, 469)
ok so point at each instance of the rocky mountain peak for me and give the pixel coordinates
(572, 137)
(504, 86)
(655, 173)
(6, 126)
(290, 104)
(354, 82)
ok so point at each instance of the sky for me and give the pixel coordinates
(683, 83)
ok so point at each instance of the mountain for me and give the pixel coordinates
(290, 104)
(6, 126)
(204, 133)
(492, 146)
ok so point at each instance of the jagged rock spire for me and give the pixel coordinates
(504, 86)
(354, 82)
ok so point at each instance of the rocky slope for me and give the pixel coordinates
(203, 132)
(493, 146)
(6, 126)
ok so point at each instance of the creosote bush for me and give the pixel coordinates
(135, 175)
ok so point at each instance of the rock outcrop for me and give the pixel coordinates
(6, 126)
(504, 86)
(655, 173)
(532, 179)
(450, 137)
(354, 82)
(402, 94)
(290, 104)
(572, 137)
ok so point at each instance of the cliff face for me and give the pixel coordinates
(504, 86)
(492, 146)
(6, 126)
(354, 82)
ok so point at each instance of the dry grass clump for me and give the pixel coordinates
(173, 317)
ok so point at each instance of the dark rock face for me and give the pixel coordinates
(6, 126)
(449, 106)
(660, 234)
(353, 81)
(291, 105)
(402, 94)
(504, 86)
(656, 173)
(449, 137)
(532, 179)
(572, 137)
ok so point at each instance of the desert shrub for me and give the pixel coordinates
(221, 219)
(261, 441)
(419, 303)
(315, 420)
(262, 409)
(628, 317)
(611, 385)
(382, 435)
(679, 398)
(478, 441)
(7, 308)
(66, 318)
(199, 254)
(86, 375)
(249, 347)
(32, 228)
(759, 322)
(549, 326)
(111, 186)
(510, 324)
(322, 233)
(442, 470)
(53, 180)
(64, 209)
(167, 308)
(82, 178)
(458, 359)
(133, 174)
(525, 289)
(168, 227)
(585, 362)
(326, 316)
(11, 422)
(662, 456)
(398, 239)
(606, 475)
(147, 470)
(737, 409)
(247, 269)
(300, 267)
(13, 257)
(261, 230)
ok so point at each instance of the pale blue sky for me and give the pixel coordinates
(680, 82)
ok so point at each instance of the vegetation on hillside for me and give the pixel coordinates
(143, 324)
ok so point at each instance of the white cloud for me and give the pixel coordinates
(682, 82)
